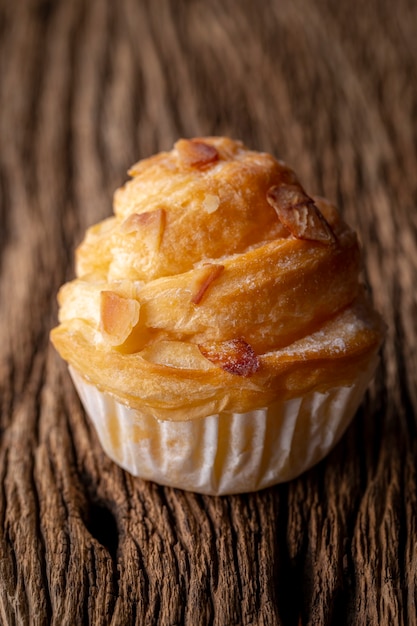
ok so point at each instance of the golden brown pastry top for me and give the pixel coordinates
(217, 285)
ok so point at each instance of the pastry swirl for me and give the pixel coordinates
(218, 285)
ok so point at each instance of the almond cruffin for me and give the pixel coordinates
(218, 285)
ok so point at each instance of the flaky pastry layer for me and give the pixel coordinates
(218, 285)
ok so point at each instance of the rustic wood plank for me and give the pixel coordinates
(86, 89)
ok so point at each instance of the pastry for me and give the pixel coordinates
(217, 330)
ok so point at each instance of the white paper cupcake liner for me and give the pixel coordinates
(229, 452)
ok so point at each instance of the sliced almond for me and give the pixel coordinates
(234, 356)
(297, 211)
(149, 225)
(211, 203)
(207, 275)
(196, 153)
(118, 316)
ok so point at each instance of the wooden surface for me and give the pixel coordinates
(86, 88)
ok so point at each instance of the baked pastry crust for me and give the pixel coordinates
(218, 285)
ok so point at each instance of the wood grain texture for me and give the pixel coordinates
(86, 89)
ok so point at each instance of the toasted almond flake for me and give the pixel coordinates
(196, 153)
(235, 356)
(210, 272)
(297, 211)
(118, 316)
(150, 224)
(211, 203)
(138, 221)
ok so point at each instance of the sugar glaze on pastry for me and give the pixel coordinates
(218, 285)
